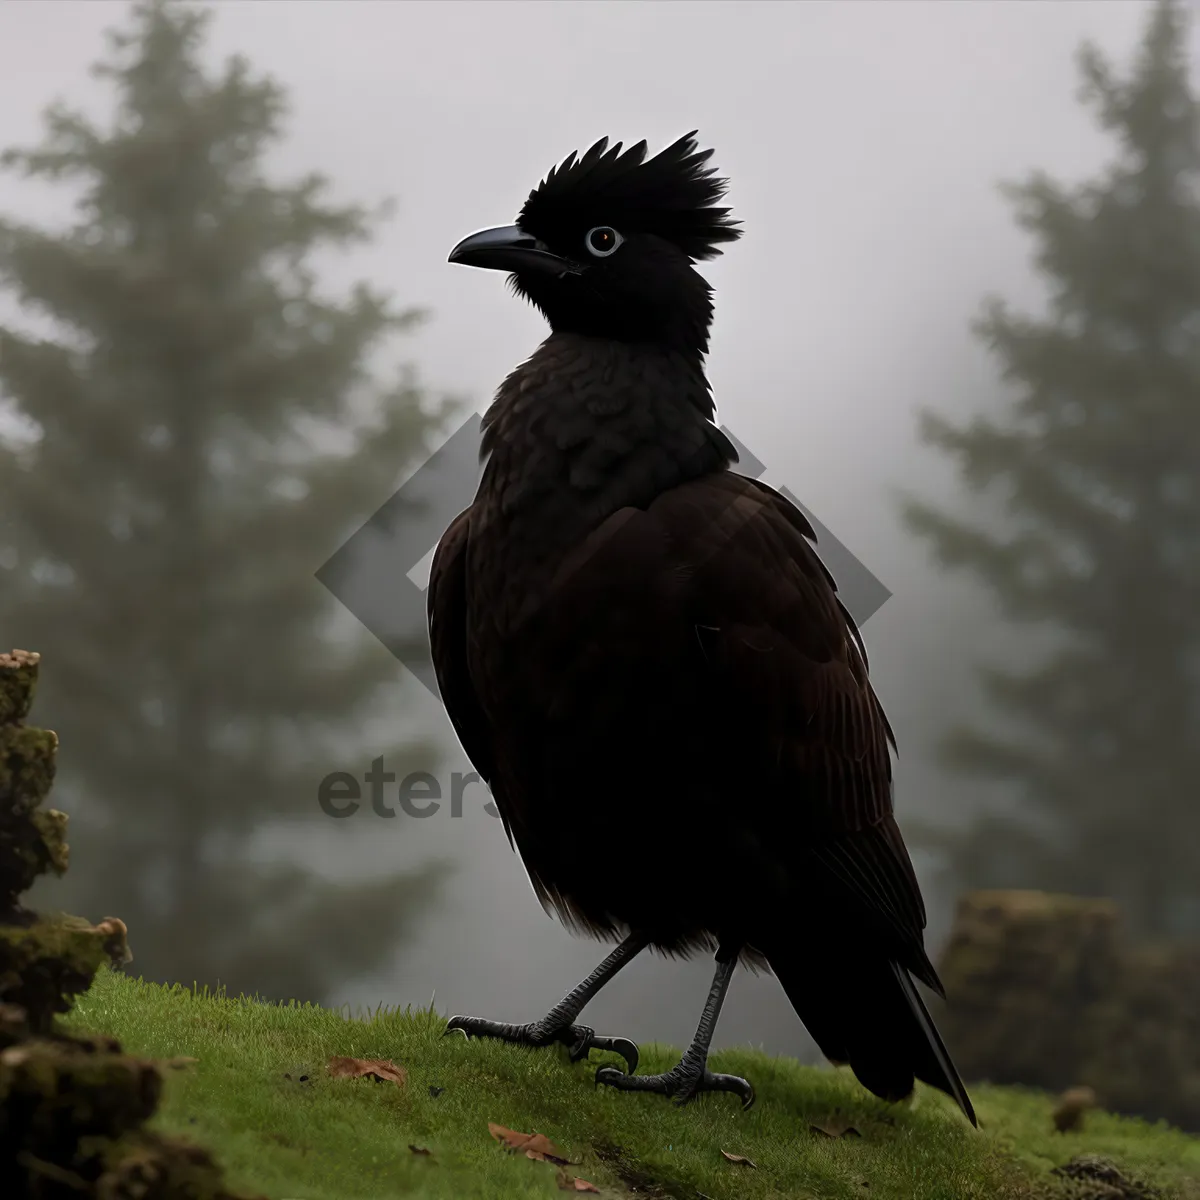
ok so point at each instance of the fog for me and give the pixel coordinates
(863, 142)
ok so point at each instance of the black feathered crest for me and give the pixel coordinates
(670, 195)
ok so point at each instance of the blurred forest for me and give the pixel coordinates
(168, 493)
(189, 427)
(1086, 489)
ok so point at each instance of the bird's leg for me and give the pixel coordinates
(558, 1025)
(691, 1076)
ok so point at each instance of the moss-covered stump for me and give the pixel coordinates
(1145, 1059)
(71, 1112)
(1044, 991)
(56, 1094)
(45, 965)
(72, 1109)
(1023, 973)
(32, 842)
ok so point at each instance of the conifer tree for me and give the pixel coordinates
(192, 428)
(1094, 471)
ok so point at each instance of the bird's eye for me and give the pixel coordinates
(602, 241)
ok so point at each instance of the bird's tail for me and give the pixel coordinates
(871, 1016)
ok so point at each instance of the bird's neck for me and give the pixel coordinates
(587, 426)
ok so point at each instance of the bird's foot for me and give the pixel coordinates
(682, 1083)
(579, 1039)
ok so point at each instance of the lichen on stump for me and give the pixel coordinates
(32, 841)
(18, 682)
(45, 965)
(72, 1109)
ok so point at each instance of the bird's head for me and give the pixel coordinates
(604, 246)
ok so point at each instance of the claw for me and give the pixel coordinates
(617, 1045)
(681, 1087)
(586, 1041)
(740, 1087)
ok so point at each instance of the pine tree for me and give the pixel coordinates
(167, 499)
(1094, 474)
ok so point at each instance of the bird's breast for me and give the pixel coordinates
(583, 432)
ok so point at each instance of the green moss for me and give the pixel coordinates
(30, 845)
(52, 851)
(153, 1166)
(18, 682)
(260, 1096)
(53, 1092)
(43, 966)
(71, 1116)
(31, 842)
(27, 765)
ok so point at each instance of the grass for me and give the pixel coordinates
(349, 1139)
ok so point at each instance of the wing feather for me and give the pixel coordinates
(734, 562)
(446, 602)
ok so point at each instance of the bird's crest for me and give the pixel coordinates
(670, 195)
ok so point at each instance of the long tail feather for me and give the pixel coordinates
(939, 1071)
(871, 1016)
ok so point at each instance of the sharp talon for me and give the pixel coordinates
(618, 1045)
(627, 1050)
(735, 1084)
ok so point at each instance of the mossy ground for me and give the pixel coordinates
(349, 1139)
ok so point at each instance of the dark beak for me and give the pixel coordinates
(508, 248)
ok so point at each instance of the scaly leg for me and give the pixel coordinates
(691, 1075)
(558, 1025)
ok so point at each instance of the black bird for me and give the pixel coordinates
(646, 660)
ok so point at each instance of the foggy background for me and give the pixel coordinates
(864, 143)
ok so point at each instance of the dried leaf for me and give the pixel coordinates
(419, 1149)
(180, 1062)
(382, 1070)
(572, 1183)
(738, 1158)
(836, 1128)
(533, 1145)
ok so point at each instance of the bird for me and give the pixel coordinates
(649, 665)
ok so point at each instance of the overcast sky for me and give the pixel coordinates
(864, 142)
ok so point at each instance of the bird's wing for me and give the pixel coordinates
(447, 607)
(785, 660)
